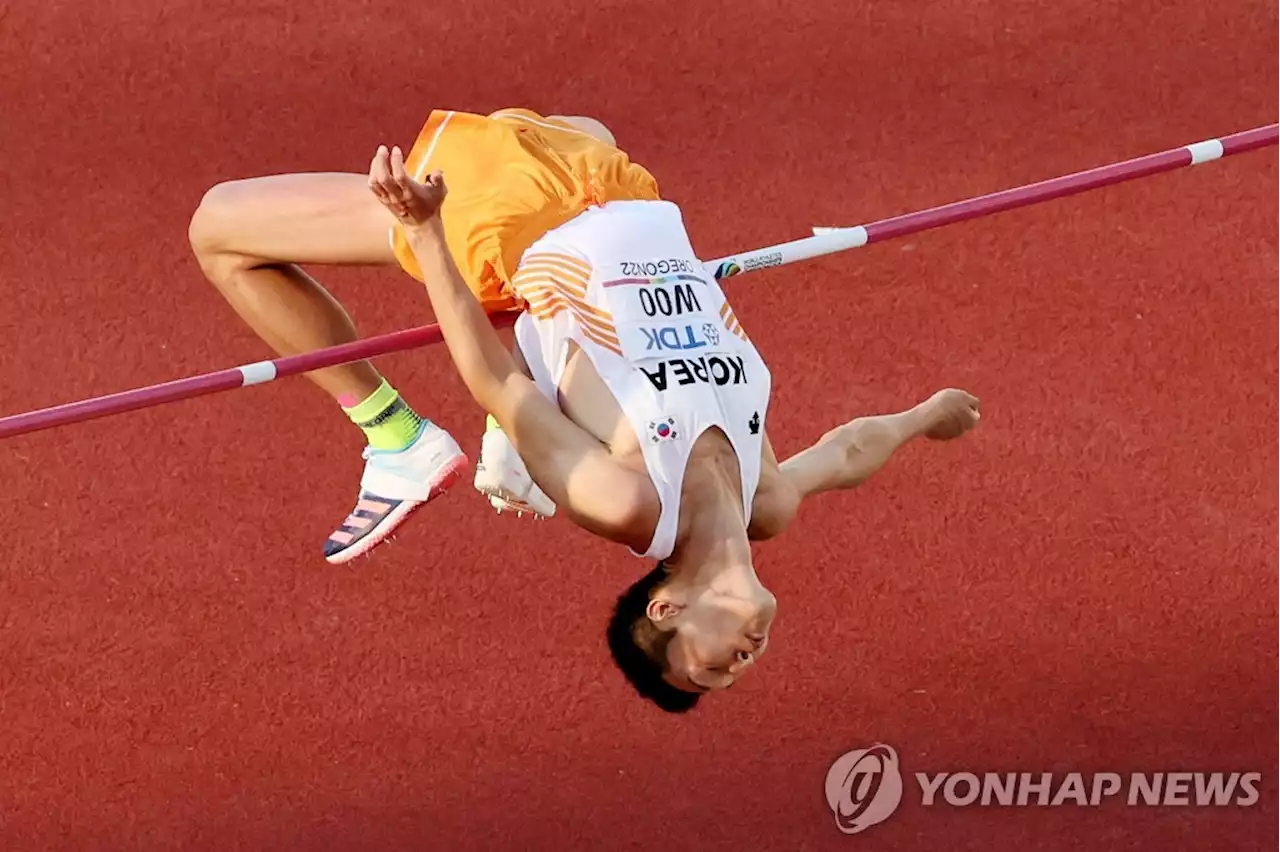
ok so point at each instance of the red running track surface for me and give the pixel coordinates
(1086, 584)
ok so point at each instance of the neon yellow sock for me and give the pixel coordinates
(387, 420)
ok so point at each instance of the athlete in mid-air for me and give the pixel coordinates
(634, 402)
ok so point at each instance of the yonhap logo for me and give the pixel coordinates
(864, 787)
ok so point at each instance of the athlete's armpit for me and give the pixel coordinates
(776, 501)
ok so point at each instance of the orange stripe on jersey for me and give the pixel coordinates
(563, 261)
(550, 266)
(549, 286)
(548, 310)
(612, 345)
(551, 290)
(544, 264)
(569, 260)
(601, 323)
(569, 277)
(553, 278)
(555, 301)
(552, 283)
(731, 321)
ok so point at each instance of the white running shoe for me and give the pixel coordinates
(395, 482)
(502, 477)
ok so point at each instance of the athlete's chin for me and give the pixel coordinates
(686, 686)
(686, 682)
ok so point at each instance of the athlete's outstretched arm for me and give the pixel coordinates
(848, 455)
(568, 463)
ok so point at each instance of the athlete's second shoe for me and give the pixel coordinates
(502, 477)
(396, 482)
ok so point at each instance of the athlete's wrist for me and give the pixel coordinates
(916, 421)
(424, 232)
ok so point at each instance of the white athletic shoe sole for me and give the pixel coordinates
(502, 477)
(394, 484)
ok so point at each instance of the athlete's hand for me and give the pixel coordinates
(951, 413)
(411, 202)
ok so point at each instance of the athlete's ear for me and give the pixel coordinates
(660, 610)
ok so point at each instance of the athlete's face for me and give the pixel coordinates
(717, 638)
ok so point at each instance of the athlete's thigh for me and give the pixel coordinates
(586, 400)
(324, 217)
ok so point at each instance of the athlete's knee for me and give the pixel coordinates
(592, 127)
(601, 132)
(213, 229)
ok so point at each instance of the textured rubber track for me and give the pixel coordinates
(1087, 583)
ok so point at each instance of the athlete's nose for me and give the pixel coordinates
(742, 658)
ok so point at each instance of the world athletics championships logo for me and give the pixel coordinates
(864, 787)
(727, 269)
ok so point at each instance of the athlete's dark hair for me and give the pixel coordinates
(640, 649)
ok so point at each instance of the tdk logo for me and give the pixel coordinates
(674, 338)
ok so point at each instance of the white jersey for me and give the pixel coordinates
(622, 282)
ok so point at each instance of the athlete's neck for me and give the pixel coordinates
(712, 550)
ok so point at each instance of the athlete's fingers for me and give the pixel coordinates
(376, 169)
(969, 399)
(384, 171)
(436, 181)
(380, 179)
(379, 191)
(399, 184)
(398, 172)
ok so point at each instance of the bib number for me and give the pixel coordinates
(665, 317)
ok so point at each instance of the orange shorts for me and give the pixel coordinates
(512, 177)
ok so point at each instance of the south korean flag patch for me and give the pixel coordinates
(663, 430)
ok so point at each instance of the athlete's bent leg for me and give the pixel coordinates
(588, 125)
(249, 237)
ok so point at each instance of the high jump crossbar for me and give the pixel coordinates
(823, 242)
